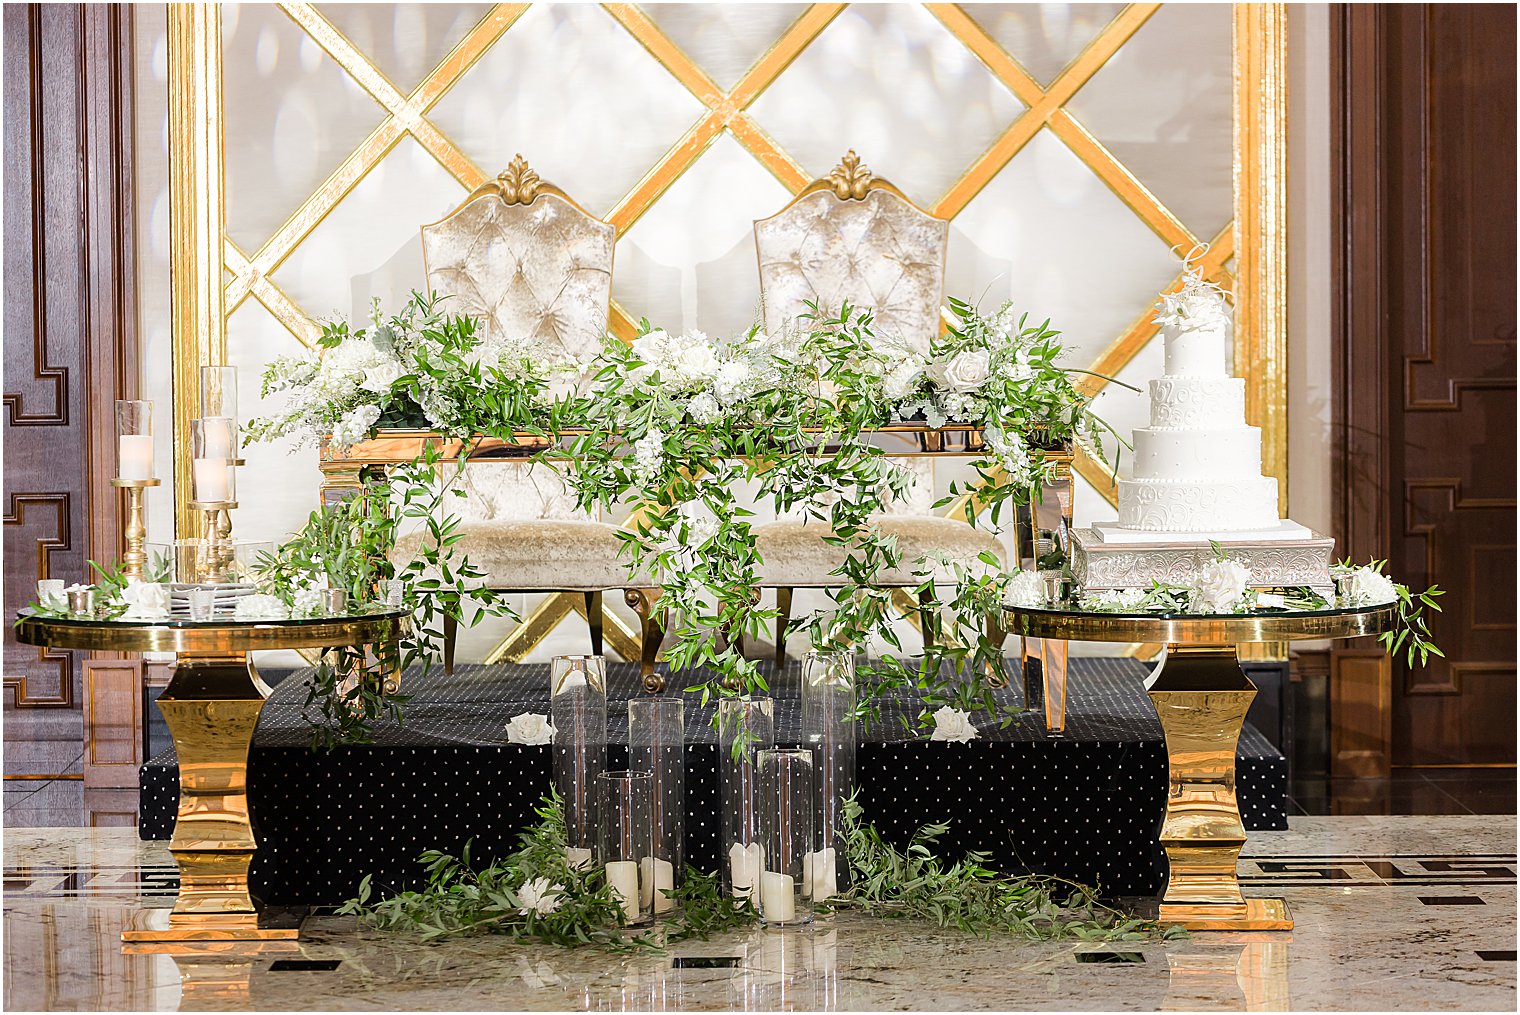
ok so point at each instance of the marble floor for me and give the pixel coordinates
(1393, 913)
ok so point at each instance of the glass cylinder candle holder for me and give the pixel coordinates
(134, 440)
(219, 394)
(211, 462)
(578, 713)
(786, 806)
(745, 726)
(626, 841)
(828, 730)
(202, 605)
(182, 561)
(250, 557)
(657, 745)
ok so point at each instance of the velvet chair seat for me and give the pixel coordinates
(795, 555)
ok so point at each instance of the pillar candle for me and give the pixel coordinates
(744, 864)
(623, 876)
(778, 901)
(579, 859)
(210, 480)
(656, 877)
(820, 877)
(219, 437)
(134, 456)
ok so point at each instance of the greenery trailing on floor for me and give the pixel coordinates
(534, 895)
(916, 884)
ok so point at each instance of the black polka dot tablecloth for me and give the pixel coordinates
(1085, 805)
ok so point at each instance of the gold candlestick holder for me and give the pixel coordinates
(216, 531)
(135, 529)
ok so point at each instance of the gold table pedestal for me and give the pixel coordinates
(212, 706)
(1201, 696)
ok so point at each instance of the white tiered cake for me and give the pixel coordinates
(1196, 479)
(1197, 467)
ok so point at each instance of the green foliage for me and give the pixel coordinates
(967, 895)
(498, 898)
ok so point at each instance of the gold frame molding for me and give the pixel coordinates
(1256, 239)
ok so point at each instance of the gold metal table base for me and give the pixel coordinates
(1201, 696)
(212, 706)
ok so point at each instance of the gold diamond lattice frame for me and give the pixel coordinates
(1256, 234)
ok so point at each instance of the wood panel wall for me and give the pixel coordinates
(70, 337)
(1425, 406)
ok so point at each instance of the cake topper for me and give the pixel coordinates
(1197, 303)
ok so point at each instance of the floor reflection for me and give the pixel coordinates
(1248, 976)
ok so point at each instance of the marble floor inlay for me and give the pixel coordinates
(1393, 913)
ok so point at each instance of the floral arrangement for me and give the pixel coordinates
(1196, 303)
(1224, 586)
(421, 368)
(534, 894)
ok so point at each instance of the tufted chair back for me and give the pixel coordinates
(854, 237)
(530, 261)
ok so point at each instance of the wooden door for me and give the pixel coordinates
(70, 338)
(1425, 165)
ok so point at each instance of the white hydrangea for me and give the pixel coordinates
(704, 408)
(1026, 589)
(1367, 586)
(354, 425)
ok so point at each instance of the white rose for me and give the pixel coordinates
(145, 601)
(381, 376)
(1369, 587)
(954, 725)
(698, 361)
(1026, 589)
(530, 729)
(538, 896)
(969, 370)
(650, 346)
(1219, 587)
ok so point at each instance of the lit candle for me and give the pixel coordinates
(134, 456)
(623, 876)
(744, 864)
(221, 436)
(210, 480)
(778, 901)
(820, 878)
(579, 859)
(656, 878)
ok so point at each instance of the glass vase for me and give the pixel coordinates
(828, 729)
(745, 726)
(657, 745)
(786, 804)
(578, 713)
(626, 840)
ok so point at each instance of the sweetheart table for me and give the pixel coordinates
(212, 706)
(1201, 696)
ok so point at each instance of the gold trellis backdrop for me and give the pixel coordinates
(1073, 147)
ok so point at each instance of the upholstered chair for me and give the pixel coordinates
(527, 260)
(853, 237)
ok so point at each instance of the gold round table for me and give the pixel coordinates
(1201, 695)
(212, 706)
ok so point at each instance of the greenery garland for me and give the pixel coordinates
(534, 894)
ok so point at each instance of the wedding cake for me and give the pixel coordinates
(1196, 478)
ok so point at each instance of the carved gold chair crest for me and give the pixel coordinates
(530, 262)
(854, 237)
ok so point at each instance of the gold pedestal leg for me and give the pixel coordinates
(212, 706)
(1201, 697)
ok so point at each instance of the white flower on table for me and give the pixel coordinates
(704, 408)
(953, 725)
(1026, 589)
(354, 425)
(530, 729)
(381, 376)
(145, 601)
(1219, 587)
(260, 607)
(731, 381)
(1115, 601)
(968, 371)
(1367, 586)
(539, 897)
